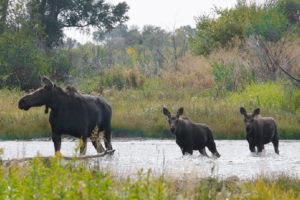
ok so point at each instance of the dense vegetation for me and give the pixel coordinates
(244, 56)
(58, 180)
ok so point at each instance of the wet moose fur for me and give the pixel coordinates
(260, 130)
(191, 136)
(72, 113)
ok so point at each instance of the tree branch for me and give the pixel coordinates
(16, 161)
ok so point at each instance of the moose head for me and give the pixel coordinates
(173, 119)
(39, 97)
(249, 118)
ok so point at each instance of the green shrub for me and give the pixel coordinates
(21, 61)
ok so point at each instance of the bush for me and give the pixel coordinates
(270, 21)
(120, 77)
(21, 61)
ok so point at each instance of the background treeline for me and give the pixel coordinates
(248, 55)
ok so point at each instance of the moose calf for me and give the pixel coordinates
(191, 136)
(260, 130)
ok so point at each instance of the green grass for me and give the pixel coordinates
(55, 179)
(138, 112)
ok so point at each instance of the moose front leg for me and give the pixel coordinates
(260, 147)
(187, 150)
(252, 147)
(56, 138)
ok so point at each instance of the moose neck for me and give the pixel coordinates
(56, 101)
(179, 128)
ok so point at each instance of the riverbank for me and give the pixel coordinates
(53, 180)
(138, 112)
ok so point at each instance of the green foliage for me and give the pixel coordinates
(271, 21)
(227, 78)
(56, 15)
(60, 65)
(21, 61)
(291, 10)
(72, 180)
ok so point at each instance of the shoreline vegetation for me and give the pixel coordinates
(54, 179)
(138, 112)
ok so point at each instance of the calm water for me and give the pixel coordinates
(164, 157)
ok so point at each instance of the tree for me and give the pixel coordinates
(3, 14)
(56, 15)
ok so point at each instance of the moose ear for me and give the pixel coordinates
(166, 112)
(256, 112)
(46, 82)
(243, 111)
(179, 112)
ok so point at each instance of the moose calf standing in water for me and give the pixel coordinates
(72, 113)
(260, 130)
(191, 136)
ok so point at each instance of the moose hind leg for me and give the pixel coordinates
(203, 152)
(98, 146)
(107, 138)
(83, 146)
(212, 148)
(276, 144)
(96, 140)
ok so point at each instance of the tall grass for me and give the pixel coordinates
(72, 180)
(16, 124)
(138, 112)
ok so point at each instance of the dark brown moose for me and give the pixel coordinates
(260, 130)
(191, 136)
(72, 113)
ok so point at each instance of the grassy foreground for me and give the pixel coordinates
(138, 112)
(72, 180)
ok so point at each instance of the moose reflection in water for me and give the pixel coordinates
(73, 114)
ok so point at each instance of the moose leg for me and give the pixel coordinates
(260, 147)
(252, 148)
(276, 144)
(203, 152)
(56, 138)
(96, 140)
(83, 146)
(189, 151)
(212, 148)
(98, 146)
(107, 138)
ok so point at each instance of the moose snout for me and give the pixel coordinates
(248, 128)
(172, 129)
(23, 105)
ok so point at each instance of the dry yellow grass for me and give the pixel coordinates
(193, 71)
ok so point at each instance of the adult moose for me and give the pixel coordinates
(191, 136)
(260, 130)
(72, 113)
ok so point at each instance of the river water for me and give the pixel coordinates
(164, 157)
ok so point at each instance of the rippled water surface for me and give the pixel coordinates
(164, 157)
